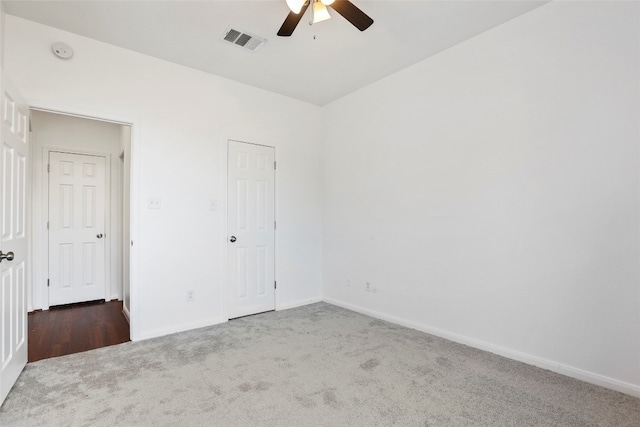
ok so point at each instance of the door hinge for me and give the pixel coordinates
(275, 225)
(48, 168)
(274, 164)
(275, 285)
(47, 282)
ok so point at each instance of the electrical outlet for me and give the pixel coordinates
(368, 286)
(154, 203)
(190, 295)
(348, 282)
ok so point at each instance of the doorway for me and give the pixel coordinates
(80, 212)
(76, 328)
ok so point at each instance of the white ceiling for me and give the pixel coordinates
(318, 64)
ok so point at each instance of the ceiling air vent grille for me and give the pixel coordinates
(232, 35)
(243, 39)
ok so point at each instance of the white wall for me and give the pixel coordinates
(79, 135)
(2, 25)
(490, 193)
(182, 119)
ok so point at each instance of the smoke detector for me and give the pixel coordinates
(62, 50)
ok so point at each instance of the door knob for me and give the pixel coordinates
(8, 256)
(232, 239)
(99, 236)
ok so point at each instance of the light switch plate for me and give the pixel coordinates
(213, 205)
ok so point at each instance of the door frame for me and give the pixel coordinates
(134, 195)
(225, 306)
(44, 261)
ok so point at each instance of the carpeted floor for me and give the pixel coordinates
(317, 365)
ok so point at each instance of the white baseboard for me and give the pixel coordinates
(154, 333)
(570, 371)
(299, 303)
(125, 311)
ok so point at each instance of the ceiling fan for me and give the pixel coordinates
(348, 10)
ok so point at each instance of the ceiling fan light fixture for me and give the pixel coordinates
(320, 12)
(296, 5)
(327, 2)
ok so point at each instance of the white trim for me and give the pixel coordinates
(134, 230)
(570, 371)
(125, 311)
(154, 333)
(299, 303)
(82, 115)
(224, 312)
(134, 194)
(276, 294)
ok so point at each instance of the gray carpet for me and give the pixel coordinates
(317, 365)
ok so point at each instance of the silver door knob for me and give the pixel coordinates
(99, 236)
(232, 239)
(8, 256)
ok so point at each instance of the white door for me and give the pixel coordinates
(251, 225)
(76, 228)
(14, 196)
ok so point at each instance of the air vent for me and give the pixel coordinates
(243, 39)
(232, 35)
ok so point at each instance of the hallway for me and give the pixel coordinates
(75, 328)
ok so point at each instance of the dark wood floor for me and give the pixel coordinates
(75, 328)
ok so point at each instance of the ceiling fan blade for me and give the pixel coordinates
(291, 22)
(351, 13)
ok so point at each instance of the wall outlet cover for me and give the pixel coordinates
(154, 203)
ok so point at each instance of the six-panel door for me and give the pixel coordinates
(251, 226)
(14, 197)
(76, 228)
